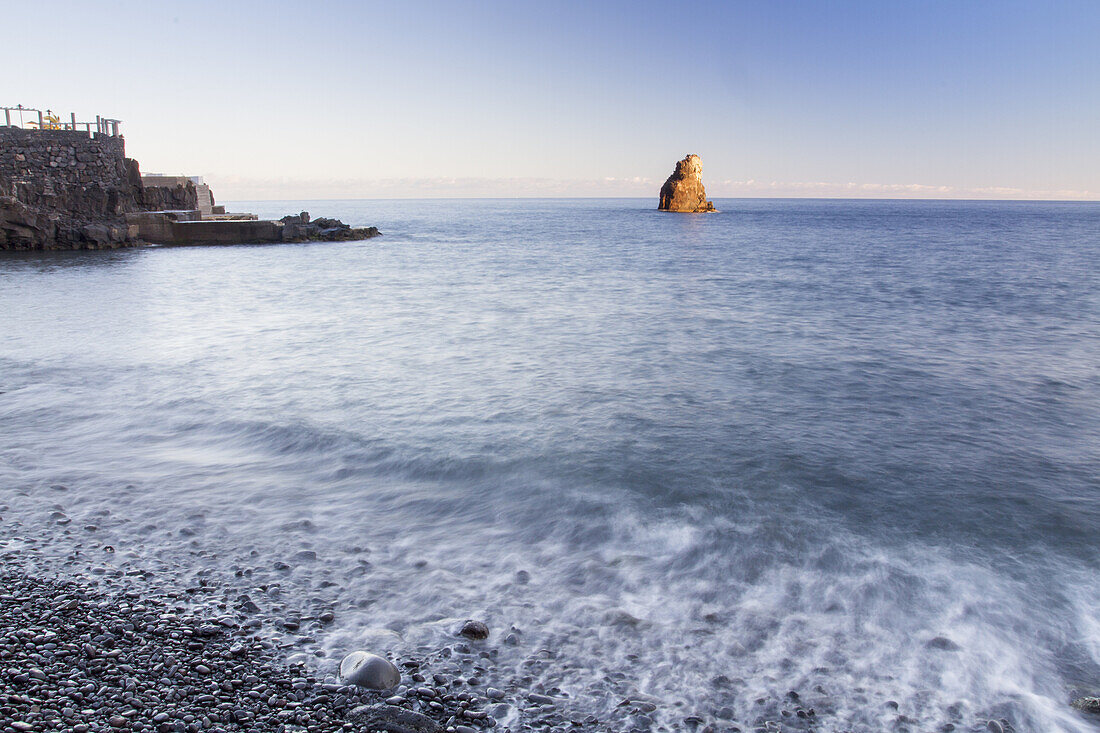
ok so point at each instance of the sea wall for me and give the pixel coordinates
(186, 228)
(224, 232)
(62, 189)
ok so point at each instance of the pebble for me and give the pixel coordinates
(942, 643)
(369, 670)
(474, 630)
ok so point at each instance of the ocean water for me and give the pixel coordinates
(846, 448)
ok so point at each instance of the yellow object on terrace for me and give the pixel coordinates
(49, 122)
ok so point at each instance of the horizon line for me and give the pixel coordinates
(646, 198)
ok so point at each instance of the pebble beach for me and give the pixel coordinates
(93, 646)
(83, 658)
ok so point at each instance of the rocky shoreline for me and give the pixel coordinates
(83, 658)
(301, 228)
(98, 640)
(79, 659)
(67, 190)
(90, 647)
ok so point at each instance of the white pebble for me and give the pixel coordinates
(370, 671)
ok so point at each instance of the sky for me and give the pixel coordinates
(358, 99)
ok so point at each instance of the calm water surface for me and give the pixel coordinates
(846, 448)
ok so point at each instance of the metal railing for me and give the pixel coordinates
(38, 120)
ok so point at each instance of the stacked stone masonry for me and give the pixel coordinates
(61, 189)
(61, 157)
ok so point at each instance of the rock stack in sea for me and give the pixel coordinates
(683, 191)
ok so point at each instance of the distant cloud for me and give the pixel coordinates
(442, 187)
(825, 189)
(234, 187)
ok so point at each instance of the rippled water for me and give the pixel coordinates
(846, 448)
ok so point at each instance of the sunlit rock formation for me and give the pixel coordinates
(683, 191)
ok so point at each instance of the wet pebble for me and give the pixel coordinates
(369, 670)
(476, 630)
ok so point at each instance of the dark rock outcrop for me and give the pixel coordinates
(683, 191)
(163, 198)
(173, 198)
(89, 217)
(300, 228)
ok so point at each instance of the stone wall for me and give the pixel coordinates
(61, 189)
(61, 157)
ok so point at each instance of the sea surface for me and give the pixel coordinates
(844, 448)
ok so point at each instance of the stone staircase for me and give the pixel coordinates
(206, 201)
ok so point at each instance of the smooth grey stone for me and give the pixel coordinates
(369, 670)
(392, 719)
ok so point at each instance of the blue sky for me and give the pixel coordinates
(294, 99)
